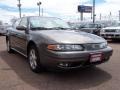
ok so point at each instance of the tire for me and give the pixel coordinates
(34, 60)
(9, 50)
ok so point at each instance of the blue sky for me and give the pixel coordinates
(31, 9)
(15, 9)
(58, 8)
(98, 1)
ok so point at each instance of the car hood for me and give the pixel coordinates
(70, 36)
(112, 28)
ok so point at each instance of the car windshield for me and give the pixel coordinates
(43, 23)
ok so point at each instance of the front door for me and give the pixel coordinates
(22, 37)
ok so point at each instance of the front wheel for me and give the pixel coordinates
(34, 60)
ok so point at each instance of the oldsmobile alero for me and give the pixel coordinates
(50, 42)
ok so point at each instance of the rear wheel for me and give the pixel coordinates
(34, 60)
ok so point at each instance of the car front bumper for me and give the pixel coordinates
(70, 60)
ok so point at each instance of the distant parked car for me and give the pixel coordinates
(3, 29)
(90, 28)
(50, 42)
(112, 32)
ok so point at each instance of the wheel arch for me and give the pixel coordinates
(31, 43)
(6, 38)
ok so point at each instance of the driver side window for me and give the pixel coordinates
(16, 23)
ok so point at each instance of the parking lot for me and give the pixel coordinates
(16, 75)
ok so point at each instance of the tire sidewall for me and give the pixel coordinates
(38, 67)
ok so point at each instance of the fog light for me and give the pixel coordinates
(64, 64)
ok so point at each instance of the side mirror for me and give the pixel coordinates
(21, 28)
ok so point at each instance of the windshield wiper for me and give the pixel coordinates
(60, 28)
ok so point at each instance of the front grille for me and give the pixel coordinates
(110, 30)
(92, 47)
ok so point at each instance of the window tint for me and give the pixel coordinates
(23, 22)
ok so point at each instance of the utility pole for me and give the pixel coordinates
(119, 15)
(110, 16)
(42, 11)
(100, 16)
(94, 11)
(81, 16)
(91, 15)
(39, 3)
(19, 6)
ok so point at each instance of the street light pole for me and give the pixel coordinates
(100, 16)
(119, 15)
(19, 6)
(94, 11)
(42, 11)
(39, 3)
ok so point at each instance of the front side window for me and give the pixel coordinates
(16, 23)
(23, 22)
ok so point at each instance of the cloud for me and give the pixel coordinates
(60, 8)
(109, 6)
(49, 5)
(113, 1)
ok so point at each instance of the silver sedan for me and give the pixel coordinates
(50, 42)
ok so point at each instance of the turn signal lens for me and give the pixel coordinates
(52, 47)
(66, 47)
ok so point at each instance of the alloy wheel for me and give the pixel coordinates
(33, 59)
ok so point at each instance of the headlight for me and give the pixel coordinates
(65, 47)
(103, 45)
